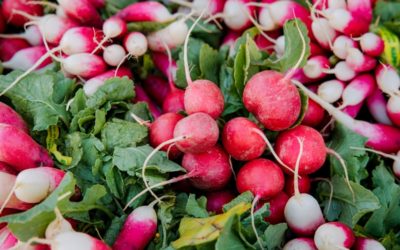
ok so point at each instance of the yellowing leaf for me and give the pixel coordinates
(52, 136)
(196, 231)
(391, 54)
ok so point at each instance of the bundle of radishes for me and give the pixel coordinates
(276, 145)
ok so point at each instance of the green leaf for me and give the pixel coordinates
(197, 207)
(120, 133)
(343, 207)
(274, 236)
(146, 27)
(209, 63)
(113, 230)
(35, 99)
(233, 102)
(246, 197)
(194, 47)
(141, 109)
(229, 238)
(295, 49)
(356, 160)
(387, 10)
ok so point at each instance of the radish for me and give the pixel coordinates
(141, 96)
(347, 22)
(162, 63)
(171, 36)
(10, 46)
(217, 199)
(79, 40)
(302, 211)
(10, 117)
(313, 155)
(9, 7)
(7, 239)
(212, 168)
(138, 230)
(136, 44)
(7, 196)
(240, 141)
(342, 71)
(314, 68)
(2, 22)
(236, 14)
(323, 32)
(353, 110)
(393, 109)
(367, 244)
(376, 104)
(372, 44)
(380, 137)
(32, 35)
(304, 184)
(91, 86)
(358, 90)
(174, 101)
(300, 244)
(332, 4)
(114, 54)
(98, 4)
(20, 151)
(150, 11)
(201, 95)
(315, 114)
(387, 79)
(334, 235)
(361, 8)
(276, 207)
(113, 27)
(82, 11)
(85, 65)
(162, 129)
(341, 46)
(210, 7)
(358, 61)
(7, 169)
(157, 88)
(58, 225)
(25, 59)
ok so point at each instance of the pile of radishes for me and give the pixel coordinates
(341, 76)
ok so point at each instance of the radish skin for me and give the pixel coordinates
(376, 104)
(162, 63)
(57, 226)
(11, 117)
(358, 90)
(79, 40)
(7, 169)
(334, 235)
(32, 35)
(136, 44)
(85, 65)
(25, 59)
(149, 11)
(372, 44)
(361, 8)
(82, 11)
(172, 36)
(76, 241)
(348, 23)
(236, 14)
(353, 110)
(342, 71)
(393, 109)
(91, 86)
(7, 196)
(114, 54)
(341, 46)
(217, 199)
(367, 244)
(174, 102)
(7, 239)
(157, 88)
(323, 32)
(10, 46)
(358, 61)
(276, 207)
(9, 6)
(387, 79)
(300, 244)
(314, 68)
(315, 114)
(20, 151)
(304, 184)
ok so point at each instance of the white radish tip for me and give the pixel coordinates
(32, 186)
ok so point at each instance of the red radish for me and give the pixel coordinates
(7, 196)
(58, 225)
(11, 117)
(162, 63)
(304, 184)
(162, 129)
(212, 168)
(32, 35)
(25, 59)
(314, 68)
(313, 155)
(114, 54)
(91, 86)
(259, 98)
(393, 109)
(315, 114)
(353, 110)
(376, 104)
(82, 11)
(358, 90)
(316, 50)
(231, 37)
(201, 95)
(198, 131)
(141, 96)
(174, 101)
(2, 22)
(270, 42)
(300, 244)
(6, 211)
(113, 27)
(138, 230)
(74, 240)
(380, 137)
(98, 4)
(136, 44)
(150, 11)
(10, 6)
(217, 199)
(7, 169)
(85, 65)
(157, 88)
(387, 79)
(302, 211)
(346, 22)
(10, 46)
(35, 184)
(171, 36)
(334, 235)
(341, 46)
(20, 151)
(276, 207)
(360, 8)
(372, 44)
(367, 244)
(240, 141)
(7, 239)
(342, 71)
(358, 61)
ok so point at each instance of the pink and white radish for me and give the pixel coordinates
(367, 244)
(360, 8)
(393, 109)
(58, 225)
(315, 66)
(323, 32)
(376, 104)
(113, 27)
(342, 71)
(114, 54)
(10, 46)
(91, 86)
(171, 36)
(331, 4)
(26, 58)
(358, 90)
(84, 65)
(82, 11)
(210, 7)
(371, 44)
(341, 46)
(353, 110)
(387, 79)
(236, 14)
(300, 244)
(7, 196)
(7, 239)
(136, 44)
(74, 240)
(217, 199)
(150, 11)
(334, 235)
(331, 91)
(380, 137)
(138, 230)
(32, 35)
(11, 117)
(79, 40)
(20, 151)
(358, 61)
(9, 7)
(347, 22)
